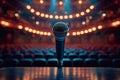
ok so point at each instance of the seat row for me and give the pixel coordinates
(67, 62)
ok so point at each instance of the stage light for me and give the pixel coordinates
(74, 33)
(81, 32)
(70, 16)
(37, 22)
(37, 32)
(30, 30)
(28, 7)
(26, 28)
(16, 15)
(46, 16)
(61, 17)
(41, 1)
(116, 23)
(83, 23)
(77, 15)
(100, 27)
(65, 17)
(80, 1)
(82, 13)
(56, 17)
(49, 34)
(41, 33)
(87, 10)
(85, 31)
(37, 13)
(45, 33)
(89, 30)
(78, 33)
(32, 10)
(94, 28)
(42, 14)
(68, 34)
(34, 31)
(51, 16)
(103, 14)
(20, 27)
(92, 7)
(60, 3)
(5, 23)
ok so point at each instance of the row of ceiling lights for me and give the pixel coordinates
(50, 16)
(74, 33)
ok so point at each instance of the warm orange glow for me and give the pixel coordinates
(100, 27)
(87, 10)
(68, 34)
(81, 32)
(20, 27)
(80, 1)
(94, 28)
(42, 14)
(34, 31)
(70, 16)
(5, 23)
(28, 7)
(82, 13)
(32, 10)
(89, 30)
(30, 30)
(116, 23)
(26, 28)
(37, 32)
(60, 3)
(41, 1)
(92, 7)
(56, 17)
(86, 31)
(45, 33)
(46, 15)
(61, 17)
(49, 34)
(37, 13)
(41, 33)
(77, 15)
(74, 33)
(51, 16)
(78, 33)
(65, 17)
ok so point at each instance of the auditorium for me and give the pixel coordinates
(59, 39)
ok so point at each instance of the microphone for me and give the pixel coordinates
(60, 30)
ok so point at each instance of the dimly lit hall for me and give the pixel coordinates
(59, 39)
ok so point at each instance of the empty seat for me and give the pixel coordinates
(26, 62)
(77, 62)
(52, 62)
(93, 55)
(39, 62)
(7, 56)
(11, 62)
(1, 62)
(67, 62)
(116, 62)
(83, 55)
(104, 62)
(39, 55)
(65, 55)
(18, 56)
(72, 55)
(90, 62)
(49, 55)
(28, 56)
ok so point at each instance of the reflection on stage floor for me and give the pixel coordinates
(54, 73)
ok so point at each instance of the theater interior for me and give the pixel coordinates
(30, 49)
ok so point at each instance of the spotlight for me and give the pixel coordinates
(92, 7)
(61, 17)
(60, 3)
(5, 23)
(81, 32)
(26, 28)
(37, 22)
(41, 33)
(56, 17)
(89, 30)
(80, 2)
(32, 10)
(82, 13)
(77, 15)
(42, 14)
(94, 28)
(41, 1)
(100, 27)
(86, 31)
(20, 27)
(68, 34)
(51, 16)
(46, 15)
(37, 13)
(87, 10)
(78, 33)
(28, 7)
(70, 16)
(65, 17)
(74, 33)
(49, 34)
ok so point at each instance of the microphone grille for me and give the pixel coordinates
(60, 27)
